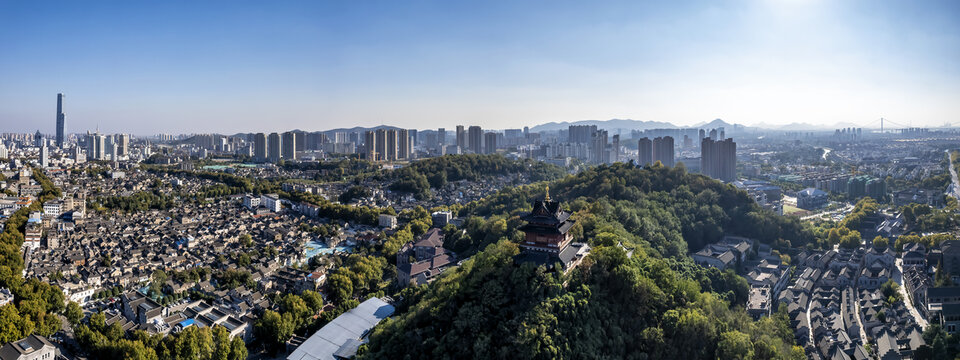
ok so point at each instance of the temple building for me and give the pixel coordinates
(548, 239)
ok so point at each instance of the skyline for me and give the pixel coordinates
(236, 67)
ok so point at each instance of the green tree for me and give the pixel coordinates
(341, 287)
(313, 300)
(735, 345)
(274, 329)
(881, 242)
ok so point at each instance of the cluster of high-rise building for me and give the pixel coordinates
(718, 158)
(388, 145)
(848, 134)
(106, 147)
(659, 149)
(275, 146)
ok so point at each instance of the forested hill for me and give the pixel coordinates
(421, 175)
(653, 305)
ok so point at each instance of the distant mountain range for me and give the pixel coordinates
(625, 125)
(605, 124)
(629, 124)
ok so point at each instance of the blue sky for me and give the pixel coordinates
(206, 66)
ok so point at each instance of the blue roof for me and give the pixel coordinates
(186, 323)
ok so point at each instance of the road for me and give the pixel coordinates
(955, 187)
(809, 324)
(898, 278)
(845, 209)
(863, 332)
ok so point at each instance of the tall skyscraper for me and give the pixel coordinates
(289, 149)
(44, 156)
(718, 159)
(260, 147)
(615, 148)
(96, 146)
(392, 144)
(38, 139)
(490, 143)
(663, 150)
(61, 121)
(381, 144)
(644, 152)
(581, 134)
(123, 145)
(598, 147)
(405, 142)
(274, 147)
(441, 137)
(299, 141)
(370, 145)
(461, 138)
(475, 136)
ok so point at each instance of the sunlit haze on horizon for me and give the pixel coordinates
(243, 66)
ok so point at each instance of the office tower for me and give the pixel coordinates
(370, 145)
(414, 136)
(289, 148)
(490, 142)
(713, 135)
(441, 137)
(598, 147)
(96, 145)
(663, 150)
(404, 144)
(260, 147)
(110, 148)
(526, 131)
(645, 152)
(38, 139)
(722, 134)
(461, 137)
(123, 145)
(702, 134)
(274, 147)
(718, 159)
(44, 156)
(475, 136)
(61, 121)
(3, 151)
(687, 142)
(582, 134)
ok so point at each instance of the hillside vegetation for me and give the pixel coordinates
(651, 305)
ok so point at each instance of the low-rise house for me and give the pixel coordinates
(914, 254)
(424, 259)
(33, 347)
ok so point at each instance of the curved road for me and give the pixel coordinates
(907, 299)
(955, 187)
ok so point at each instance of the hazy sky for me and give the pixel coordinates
(205, 66)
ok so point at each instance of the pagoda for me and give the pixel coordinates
(548, 239)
